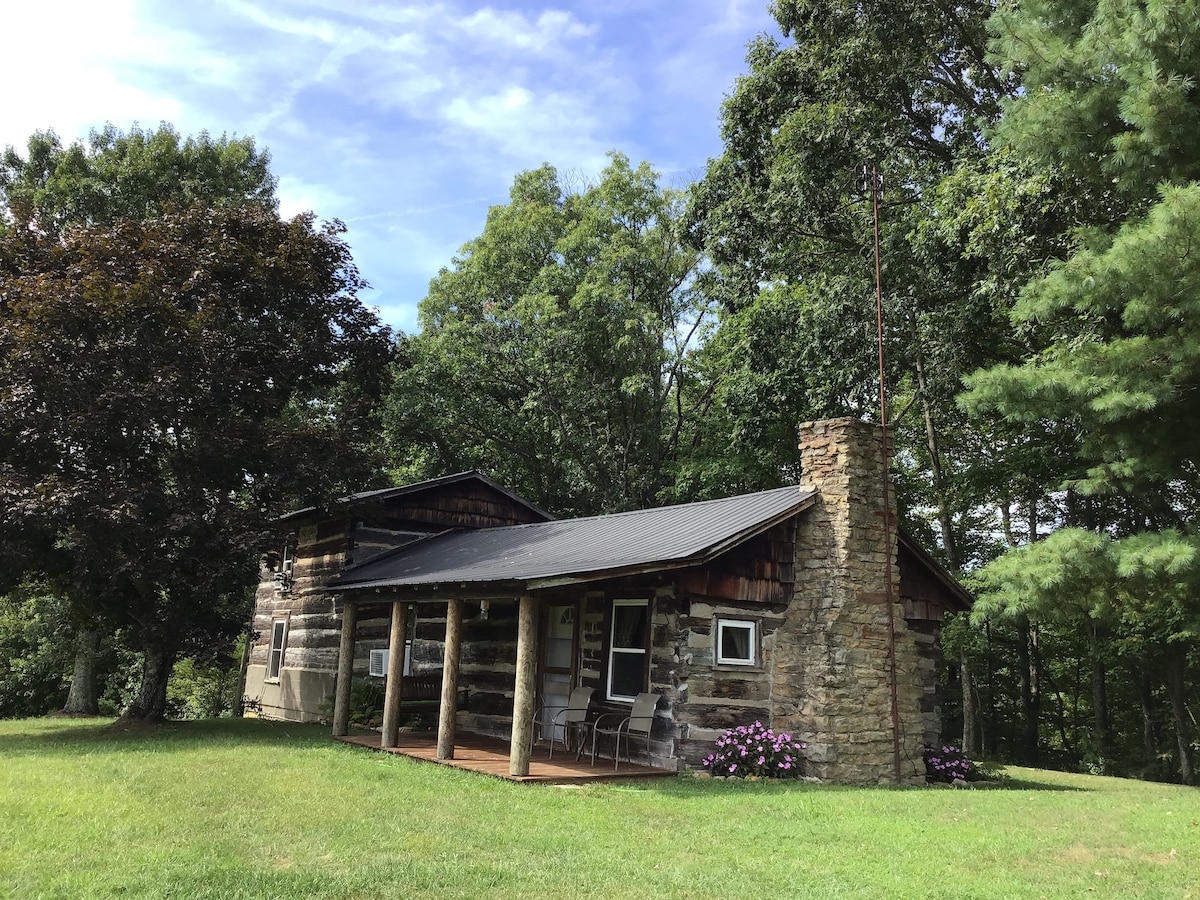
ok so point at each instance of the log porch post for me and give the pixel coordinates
(523, 696)
(449, 705)
(345, 673)
(395, 674)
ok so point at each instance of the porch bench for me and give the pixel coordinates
(423, 693)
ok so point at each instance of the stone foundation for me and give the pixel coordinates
(831, 673)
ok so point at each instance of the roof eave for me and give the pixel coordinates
(940, 572)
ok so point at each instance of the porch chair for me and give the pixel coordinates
(570, 718)
(639, 722)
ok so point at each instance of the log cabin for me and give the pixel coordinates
(770, 607)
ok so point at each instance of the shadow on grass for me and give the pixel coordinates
(106, 735)
(686, 786)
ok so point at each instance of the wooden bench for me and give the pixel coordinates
(423, 693)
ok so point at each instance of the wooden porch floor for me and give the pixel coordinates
(489, 756)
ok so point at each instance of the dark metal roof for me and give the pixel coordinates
(571, 551)
(363, 497)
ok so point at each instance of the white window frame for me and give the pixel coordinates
(642, 652)
(724, 623)
(279, 628)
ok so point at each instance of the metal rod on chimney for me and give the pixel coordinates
(871, 176)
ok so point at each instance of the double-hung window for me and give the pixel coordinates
(629, 638)
(275, 652)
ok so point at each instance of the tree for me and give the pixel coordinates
(1109, 102)
(122, 175)
(129, 175)
(1134, 596)
(557, 351)
(906, 86)
(166, 385)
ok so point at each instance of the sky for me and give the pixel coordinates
(404, 120)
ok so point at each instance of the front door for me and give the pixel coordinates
(557, 662)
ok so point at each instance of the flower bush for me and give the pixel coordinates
(756, 750)
(947, 763)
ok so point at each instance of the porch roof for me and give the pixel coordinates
(571, 551)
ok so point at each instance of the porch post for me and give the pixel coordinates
(523, 696)
(395, 674)
(449, 706)
(345, 673)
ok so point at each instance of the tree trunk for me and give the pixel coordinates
(239, 692)
(1149, 728)
(945, 520)
(1102, 737)
(84, 697)
(150, 704)
(1176, 685)
(970, 746)
(987, 735)
(1029, 698)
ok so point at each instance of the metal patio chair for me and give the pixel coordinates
(639, 722)
(571, 718)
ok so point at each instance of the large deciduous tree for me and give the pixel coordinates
(129, 175)
(112, 175)
(905, 86)
(556, 353)
(164, 385)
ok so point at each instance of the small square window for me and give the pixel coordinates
(737, 642)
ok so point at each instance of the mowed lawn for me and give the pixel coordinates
(258, 809)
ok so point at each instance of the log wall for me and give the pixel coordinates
(321, 549)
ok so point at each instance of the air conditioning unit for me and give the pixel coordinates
(379, 663)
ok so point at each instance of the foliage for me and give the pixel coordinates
(335, 821)
(168, 384)
(129, 175)
(905, 86)
(35, 661)
(1122, 372)
(947, 764)
(204, 691)
(556, 353)
(366, 702)
(755, 750)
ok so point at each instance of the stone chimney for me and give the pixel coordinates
(831, 676)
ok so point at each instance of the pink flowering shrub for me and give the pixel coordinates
(947, 763)
(756, 750)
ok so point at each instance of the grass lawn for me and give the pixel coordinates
(259, 809)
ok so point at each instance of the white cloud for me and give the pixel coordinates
(68, 54)
(406, 119)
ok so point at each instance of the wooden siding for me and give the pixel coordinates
(924, 597)
(321, 549)
(762, 570)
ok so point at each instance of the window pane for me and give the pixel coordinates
(275, 654)
(628, 674)
(735, 642)
(629, 626)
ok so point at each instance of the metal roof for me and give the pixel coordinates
(362, 497)
(571, 551)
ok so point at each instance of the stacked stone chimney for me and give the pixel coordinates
(831, 675)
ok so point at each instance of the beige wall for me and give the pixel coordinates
(300, 695)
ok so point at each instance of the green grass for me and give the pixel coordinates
(258, 809)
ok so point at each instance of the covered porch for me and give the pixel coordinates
(490, 756)
(518, 756)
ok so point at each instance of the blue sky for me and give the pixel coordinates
(404, 120)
